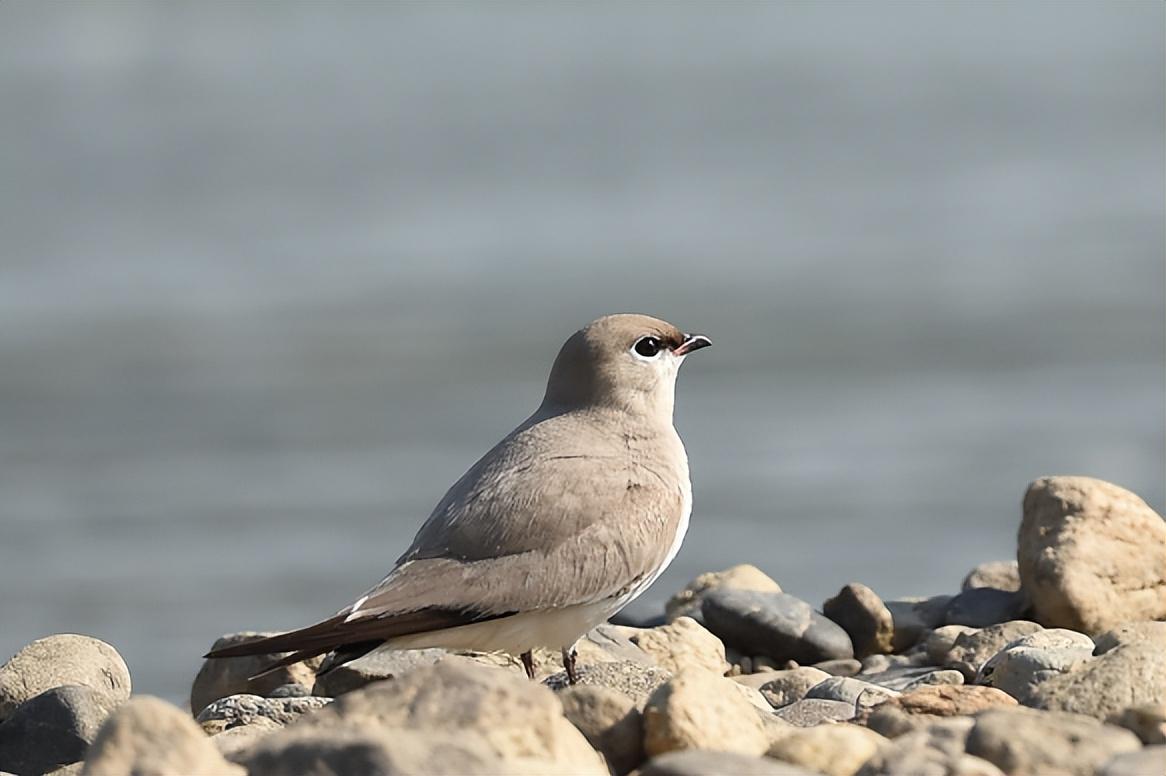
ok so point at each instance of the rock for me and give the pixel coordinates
(688, 602)
(860, 694)
(683, 643)
(839, 667)
(776, 625)
(984, 606)
(373, 751)
(222, 677)
(1151, 760)
(781, 688)
(699, 710)
(147, 736)
(935, 750)
(516, 718)
(940, 641)
(605, 644)
(874, 664)
(834, 750)
(912, 618)
(239, 710)
(695, 762)
(378, 665)
(1091, 555)
(971, 650)
(1024, 741)
(947, 676)
(1132, 633)
(928, 705)
(291, 690)
(998, 574)
(1023, 664)
(814, 711)
(631, 679)
(609, 721)
(1129, 675)
(56, 661)
(233, 743)
(1147, 722)
(53, 729)
(864, 617)
(899, 678)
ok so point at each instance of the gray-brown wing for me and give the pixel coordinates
(544, 520)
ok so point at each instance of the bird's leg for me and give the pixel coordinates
(528, 663)
(569, 655)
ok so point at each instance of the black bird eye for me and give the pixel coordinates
(647, 347)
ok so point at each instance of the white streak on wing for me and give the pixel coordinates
(355, 609)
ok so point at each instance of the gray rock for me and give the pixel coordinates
(53, 729)
(841, 667)
(775, 625)
(1129, 675)
(912, 618)
(1025, 663)
(999, 574)
(972, 650)
(59, 660)
(696, 762)
(781, 688)
(237, 710)
(947, 676)
(1091, 555)
(609, 721)
(861, 613)
(292, 690)
(900, 678)
(370, 751)
(984, 606)
(861, 695)
(634, 680)
(1020, 740)
(376, 666)
(223, 677)
(814, 711)
(689, 601)
(1150, 761)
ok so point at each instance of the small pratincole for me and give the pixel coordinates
(570, 517)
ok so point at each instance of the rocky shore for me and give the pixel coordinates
(1051, 664)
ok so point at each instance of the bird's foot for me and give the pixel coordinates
(569, 656)
(528, 663)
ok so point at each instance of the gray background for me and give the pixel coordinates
(272, 276)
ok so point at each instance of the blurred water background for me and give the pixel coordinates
(272, 276)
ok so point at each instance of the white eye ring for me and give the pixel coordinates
(647, 348)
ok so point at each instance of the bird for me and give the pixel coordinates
(552, 532)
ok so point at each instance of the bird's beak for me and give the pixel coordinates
(692, 342)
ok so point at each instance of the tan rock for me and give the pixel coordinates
(687, 602)
(1148, 631)
(927, 705)
(941, 640)
(864, 617)
(1091, 555)
(1129, 675)
(972, 650)
(223, 677)
(699, 710)
(233, 742)
(634, 680)
(997, 574)
(681, 644)
(934, 750)
(610, 721)
(515, 717)
(834, 750)
(147, 736)
(1147, 721)
(1023, 741)
(239, 710)
(781, 688)
(58, 660)
(697, 762)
